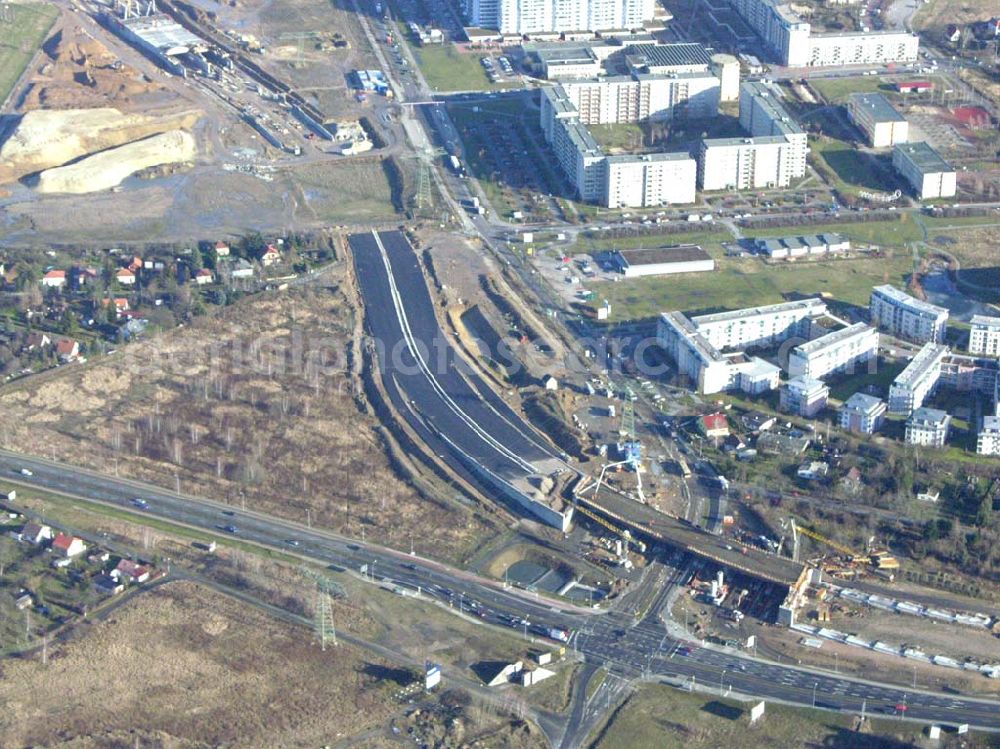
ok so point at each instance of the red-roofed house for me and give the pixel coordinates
(714, 425)
(86, 275)
(134, 264)
(67, 349)
(130, 572)
(203, 277)
(54, 279)
(125, 277)
(914, 87)
(221, 249)
(271, 256)
(68, 546)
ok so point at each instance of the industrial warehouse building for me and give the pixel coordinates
(922, 167)
(905, 317)
(792, 42)
(662, 261)
(873, 115)
(778, 248)
(918, 381)
(984, 336)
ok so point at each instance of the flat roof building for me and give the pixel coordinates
(650, 179)
(803, 396)
(862, 413)
(668, 58)
(877, 119)
(564, 61)
(663, 261)
(907, 317)
(922, 167)
(988, 438)
(839, 351)
(918, 381)
(694, 356)
(778, 248)
(984, 336)
(928, 427)
(749, 163)
(763, 326)
(557, 16)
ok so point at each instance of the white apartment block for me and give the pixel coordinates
(984, 336)
(803, 396)
(791, 41)
(903, 316)
(862, 413)
(927, 427)
(834, 352)
(918, 381)
(637, 180)
(988, 439)
(759, 326)
(968, 374)
(644, 96)
(749, 163)
(929, 175)
(873, 115)
(693, 355)
(556, 16)
(650, 180)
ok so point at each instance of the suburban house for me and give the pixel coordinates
(134, 264)
(36, 341)
(714, 425)
(120, 302)
(24, 601)
(242, 269)
(271, 256)
(67, 349)
(54, 279)
(36, 533)
(68, 546)
(86, 275)
(125, 277)
(130, 572)
(221, 249)
(203, 277)
(108, 585)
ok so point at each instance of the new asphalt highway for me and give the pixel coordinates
(632, 648)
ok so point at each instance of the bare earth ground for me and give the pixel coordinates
(940, 13)
(254, 404)
(185, 663)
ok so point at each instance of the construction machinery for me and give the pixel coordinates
(879, 559)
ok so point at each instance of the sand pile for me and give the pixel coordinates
(46, 138)
(104, 170)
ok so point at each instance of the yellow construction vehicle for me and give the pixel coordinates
(880, 559)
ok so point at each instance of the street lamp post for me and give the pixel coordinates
(721, 675)
(815, 685)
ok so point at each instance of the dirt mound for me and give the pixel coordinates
(47, 138)
(78, 71)
(106, 169)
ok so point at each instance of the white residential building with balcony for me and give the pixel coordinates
(904, 316)
(919, 380)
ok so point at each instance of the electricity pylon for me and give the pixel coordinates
(326, 590)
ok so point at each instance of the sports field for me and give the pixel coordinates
(23, 28)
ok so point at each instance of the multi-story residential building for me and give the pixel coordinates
(644, 96)
(919, 380)
(903, 316)
(668, 59)
(984, 336)
(929, 175)
(555, 16)
(763, 326)
(694, 356)
(988, 438)
(837, 351)
(649, 179)
(877, 119)
(803, 396)
(928, 427)
(793, 43)
(969, 374)
(862, 413)
(749, 163)
(628, 180)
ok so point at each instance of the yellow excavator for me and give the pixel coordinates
(880, 559)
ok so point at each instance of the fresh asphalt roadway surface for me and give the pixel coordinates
(633, 649)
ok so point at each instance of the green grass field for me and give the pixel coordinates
(20, 40)
(856, 169)
(746, 282)
(447, 69)
(881, 233)
(659, 717)
(625, 136)
(835, 90)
